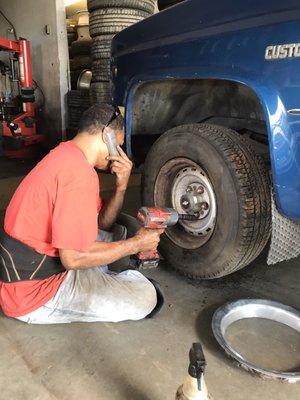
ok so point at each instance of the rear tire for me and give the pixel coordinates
(241, 187)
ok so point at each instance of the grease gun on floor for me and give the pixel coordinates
(194, 387)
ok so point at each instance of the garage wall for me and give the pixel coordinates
(49, 53)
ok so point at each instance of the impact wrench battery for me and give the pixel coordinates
(157, 218)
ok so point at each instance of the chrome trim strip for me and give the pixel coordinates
(294, 111)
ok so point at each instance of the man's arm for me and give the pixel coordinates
(102, 253)
(111, 210)
(121, 166)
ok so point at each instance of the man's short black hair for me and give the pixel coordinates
(95, 118)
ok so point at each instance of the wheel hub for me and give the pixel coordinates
(195, 201)
(192, 193)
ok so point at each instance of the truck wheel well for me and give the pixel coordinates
(161, 105)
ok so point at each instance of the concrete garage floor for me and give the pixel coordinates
(147, 360)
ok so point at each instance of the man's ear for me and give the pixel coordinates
(103, 135)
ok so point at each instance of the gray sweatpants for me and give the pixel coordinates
(97, 294)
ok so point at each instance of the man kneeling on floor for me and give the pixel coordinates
(53, 259)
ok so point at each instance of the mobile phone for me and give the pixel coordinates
(112, 143)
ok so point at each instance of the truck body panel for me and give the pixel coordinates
(229, 41)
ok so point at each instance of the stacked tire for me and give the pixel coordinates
(72, 34)
(107, 18)
(80, 59)
(78, 101)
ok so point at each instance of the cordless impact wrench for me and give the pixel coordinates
(157, 218)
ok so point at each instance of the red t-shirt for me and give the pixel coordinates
(55, 207)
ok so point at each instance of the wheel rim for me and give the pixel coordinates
(84, 80)
(184, 185)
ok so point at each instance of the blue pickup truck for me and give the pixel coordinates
(212, 97)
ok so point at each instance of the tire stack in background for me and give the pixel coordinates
(107, 18)
(80, 50)
(72, 34)
(78, 101)
(80, 60)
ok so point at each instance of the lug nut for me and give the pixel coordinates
(200, 190)
(185, 203)
(189, 189)
(204, 206)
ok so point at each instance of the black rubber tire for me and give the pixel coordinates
(80, 48)
(101, 70)
(80, 63)
(101, 47)
(100, 92)
(113, 20)
(74, 119)
(242, 188)
(78, 99)
(144, 5)
(163, 4)
(74, 75)
(72, 36)
(74, 116)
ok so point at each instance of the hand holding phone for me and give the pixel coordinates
(121, 165)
